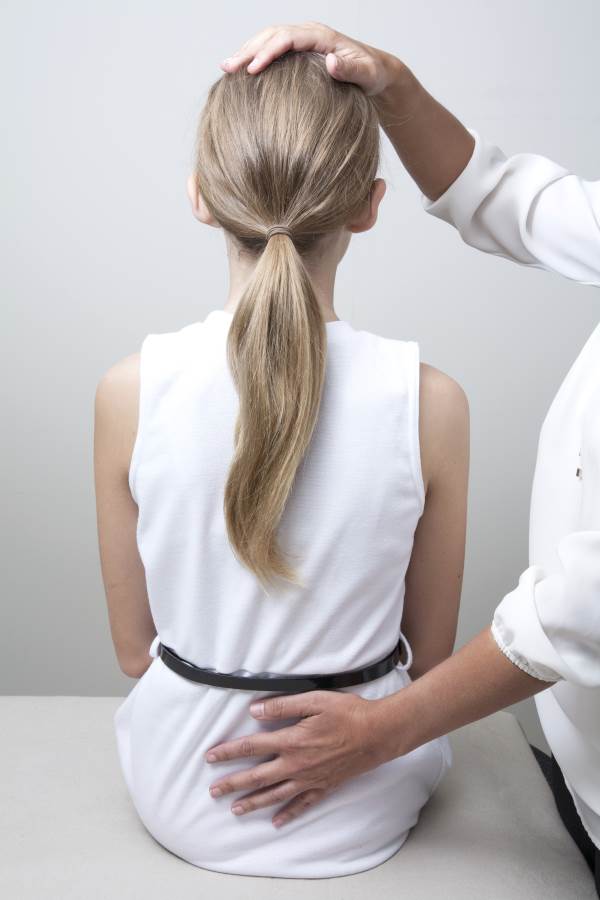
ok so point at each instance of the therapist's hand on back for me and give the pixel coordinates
(338, 737)
(342, 735)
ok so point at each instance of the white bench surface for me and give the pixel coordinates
(69, 831)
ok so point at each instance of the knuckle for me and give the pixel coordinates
(282, 37)
(271, 31)
(279, 794)
(287, 742)
(275, 707)
(247, 747)
(257, 779)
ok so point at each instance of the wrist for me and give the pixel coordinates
(402, 91)
(392, 724)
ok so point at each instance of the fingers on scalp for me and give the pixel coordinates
(284, 38)
(277, 45)
(263, 36)
(260, 36)
(247, 50)
(271, 42)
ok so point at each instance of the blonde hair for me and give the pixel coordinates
(289, 146)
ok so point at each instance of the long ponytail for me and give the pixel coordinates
(290, 146)
(276, 350)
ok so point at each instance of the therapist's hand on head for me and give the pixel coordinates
(432, 144)
(347, 59)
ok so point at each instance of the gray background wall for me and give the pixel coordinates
(100, 102)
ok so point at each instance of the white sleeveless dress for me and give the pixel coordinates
(349, 524)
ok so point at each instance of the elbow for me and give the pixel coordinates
(418, 671)
(421, 664)
(134, 668)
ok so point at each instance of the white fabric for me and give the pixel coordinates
(349, 524)
(529, 209)
(525, 208)
(68, 831)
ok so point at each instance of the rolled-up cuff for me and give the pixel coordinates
(457, 205)
(520, 635)
(517, 660)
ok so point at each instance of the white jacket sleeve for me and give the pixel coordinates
(525, 208)
(549, 625)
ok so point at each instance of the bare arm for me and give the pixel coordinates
(523, 207)
(432, 144)
(475, 682)
(131, 624)
(434, 576)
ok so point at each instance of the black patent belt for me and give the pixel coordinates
(287, 683)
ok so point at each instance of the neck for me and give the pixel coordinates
(322, 277)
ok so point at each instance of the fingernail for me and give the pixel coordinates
(279, 822)
(257, 709)
(254, 63)
(216, 791)
(237, 810)
(211, 757)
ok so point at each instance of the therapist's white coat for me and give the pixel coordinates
(533, 211)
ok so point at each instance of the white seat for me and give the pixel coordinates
(69, 830)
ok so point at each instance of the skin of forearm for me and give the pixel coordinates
(475, 682)
(432, 144)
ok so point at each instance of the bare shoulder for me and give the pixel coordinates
(443, 421)
(441, 393)
(120, 383)
(116, 406)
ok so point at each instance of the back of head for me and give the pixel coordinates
(289, 146)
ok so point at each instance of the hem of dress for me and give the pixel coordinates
(226, 871)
